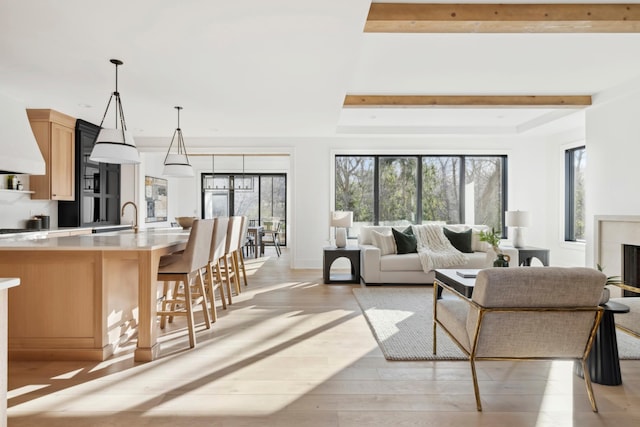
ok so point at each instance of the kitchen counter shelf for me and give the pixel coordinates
(113, 284)
(13, 195)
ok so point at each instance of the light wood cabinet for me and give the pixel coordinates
(55, 134)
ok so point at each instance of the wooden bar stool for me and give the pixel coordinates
(228, 267)
(214, 278)
(239, 253)
(186, 268)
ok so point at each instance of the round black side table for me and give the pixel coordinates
(603, 361)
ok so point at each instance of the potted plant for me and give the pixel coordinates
(611, 280)
(493, 238)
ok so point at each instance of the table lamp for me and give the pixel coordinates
(517, 220)
(341, 220)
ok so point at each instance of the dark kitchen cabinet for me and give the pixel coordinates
(97, 186)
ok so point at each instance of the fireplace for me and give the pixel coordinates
(612, 233)
(630, 267)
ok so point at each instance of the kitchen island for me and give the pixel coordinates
(82, 296)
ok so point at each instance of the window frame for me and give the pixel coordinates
(230, 192)
(419, 211)
(570, 192)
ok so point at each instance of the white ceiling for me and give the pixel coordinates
(283, 67)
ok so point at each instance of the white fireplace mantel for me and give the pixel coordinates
(610, 233)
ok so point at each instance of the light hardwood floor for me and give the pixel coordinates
(292, 351)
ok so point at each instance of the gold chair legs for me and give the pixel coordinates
(587, 383)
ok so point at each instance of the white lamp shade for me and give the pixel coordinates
(517, 219)
(177, 165)
(341, 219)
(110, 147)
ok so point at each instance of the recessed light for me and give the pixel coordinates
(85, 105)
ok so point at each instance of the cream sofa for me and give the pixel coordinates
(407, 269)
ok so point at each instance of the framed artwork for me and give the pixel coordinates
(155, 194)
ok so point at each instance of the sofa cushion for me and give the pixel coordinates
(406, 242)
(366, 232)
(404, 262)
(385, 242)
(460, 240)
(476, 244)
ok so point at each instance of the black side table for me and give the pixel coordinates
(603, 361)
(330, 254)
(527, 253)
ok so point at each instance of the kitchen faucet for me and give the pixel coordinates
(135, 213)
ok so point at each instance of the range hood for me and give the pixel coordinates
(20, 151)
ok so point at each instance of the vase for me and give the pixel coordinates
(502, 261)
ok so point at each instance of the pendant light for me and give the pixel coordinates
(243, 183)
(213, 175)
(115, 145)
(177, 163)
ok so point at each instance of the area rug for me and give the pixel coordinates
(401, 320)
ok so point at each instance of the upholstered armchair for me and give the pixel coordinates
(526, 313)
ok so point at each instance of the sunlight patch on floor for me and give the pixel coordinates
(558, 393)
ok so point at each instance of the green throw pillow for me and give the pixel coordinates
(461, 241)
(405, 243)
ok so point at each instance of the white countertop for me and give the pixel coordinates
(147, 239)
(6, 283)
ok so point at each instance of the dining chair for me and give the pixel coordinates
(185, 270)
(272, 237)
(248, 240)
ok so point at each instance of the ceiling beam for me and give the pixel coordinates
(466, 101)
(503, 18)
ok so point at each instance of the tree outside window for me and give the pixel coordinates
(412, 189)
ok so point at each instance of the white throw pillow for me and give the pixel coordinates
(385, 242)
(476, 244)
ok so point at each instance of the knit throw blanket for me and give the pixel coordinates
(434, 249)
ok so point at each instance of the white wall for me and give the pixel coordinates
(311, 171)
(613, 150)
(184, 193)
(536, 178)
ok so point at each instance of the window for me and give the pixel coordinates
(355, 176)
(398, 197)
(575, 167)
(259, 197)
(397, 190)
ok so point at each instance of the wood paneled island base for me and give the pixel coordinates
(82, 296)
